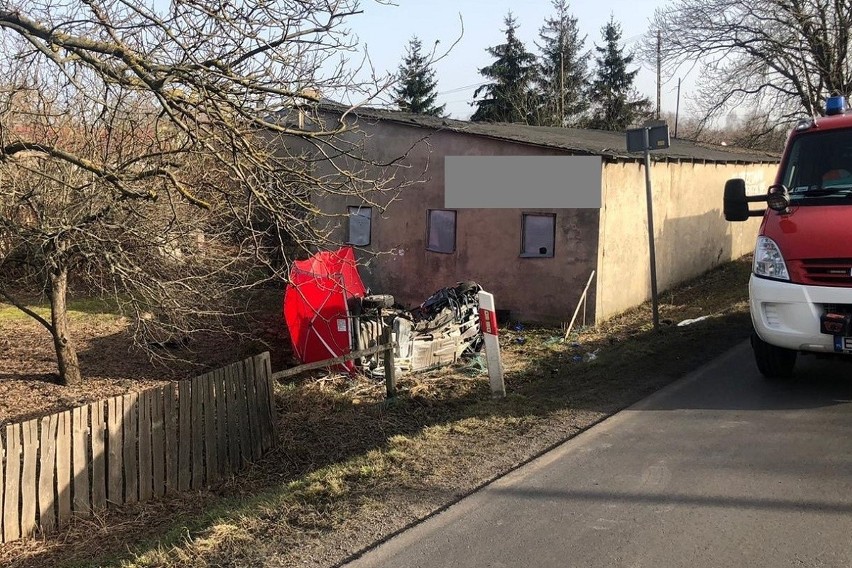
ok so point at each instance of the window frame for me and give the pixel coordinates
(429, 230)
(349, 213)
(552, 249)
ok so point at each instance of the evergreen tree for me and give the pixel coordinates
(563, 69)
(509, 97)
(616, 103)
(416, 91)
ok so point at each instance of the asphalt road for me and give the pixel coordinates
(719, 469)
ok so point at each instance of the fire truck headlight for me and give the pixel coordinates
(768, 261)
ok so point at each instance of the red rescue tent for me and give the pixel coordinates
(316, 305)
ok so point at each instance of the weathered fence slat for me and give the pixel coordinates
(260, 391)
(47, 474)
(263, 371)
(80, 463)
(98, 431)
(270, 389)
(158, 446)
(184, 436)
(29, 482)
(63, 468)
(12, 497)
(171, 436)
(242, 408)
(251, 398)
(131, 418)
(2, 486)
(115, 450)
(221, 422)
(197, 432)
(210, 446)
(146, 478)
(233, 419)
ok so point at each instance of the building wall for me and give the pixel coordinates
(488, 241)
(691, 234)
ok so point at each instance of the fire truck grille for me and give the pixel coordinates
(828, 271)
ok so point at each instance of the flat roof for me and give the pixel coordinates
(605, 143)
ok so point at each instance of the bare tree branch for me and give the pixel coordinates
(784, 57)
(169, 156)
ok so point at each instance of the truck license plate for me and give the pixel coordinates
(843, 344)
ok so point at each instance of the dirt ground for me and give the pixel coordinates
(110, 364)
(351, 468)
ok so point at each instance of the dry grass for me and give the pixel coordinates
(352, 468)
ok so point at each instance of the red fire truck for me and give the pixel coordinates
(800, 291)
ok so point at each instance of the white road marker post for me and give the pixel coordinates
(488, 325)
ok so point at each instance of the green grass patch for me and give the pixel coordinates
(78, 308)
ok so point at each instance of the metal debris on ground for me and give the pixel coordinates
(692, 321)
(476, 367)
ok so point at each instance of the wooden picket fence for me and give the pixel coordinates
(135, 447)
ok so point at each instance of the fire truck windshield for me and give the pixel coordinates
(819, 167)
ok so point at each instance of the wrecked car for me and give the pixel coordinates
(330, 313)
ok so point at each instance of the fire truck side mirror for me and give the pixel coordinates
(736, 202)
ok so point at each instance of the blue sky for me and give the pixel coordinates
(385, 30)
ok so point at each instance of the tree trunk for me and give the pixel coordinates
(66, 354)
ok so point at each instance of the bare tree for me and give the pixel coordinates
(783, 57)
(163, 156)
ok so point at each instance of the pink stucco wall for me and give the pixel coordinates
(488, 241)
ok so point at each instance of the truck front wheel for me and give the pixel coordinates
(773, 362)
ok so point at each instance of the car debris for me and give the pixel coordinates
(330, 313)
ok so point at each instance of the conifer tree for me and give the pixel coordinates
(616, 104)
(563, 69)
(417, 88)
(509, 97)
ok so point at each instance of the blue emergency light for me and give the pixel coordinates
(835, 105)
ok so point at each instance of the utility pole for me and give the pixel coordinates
(677, 107)
(659, 69)
(561, 89)
(561, 73)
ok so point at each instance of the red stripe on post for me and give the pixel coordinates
(488, 321)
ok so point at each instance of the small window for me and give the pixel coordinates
(360, 219)
(442, 231)
(539, 233)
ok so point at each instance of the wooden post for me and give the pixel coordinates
(579, 304)
(390, 368)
